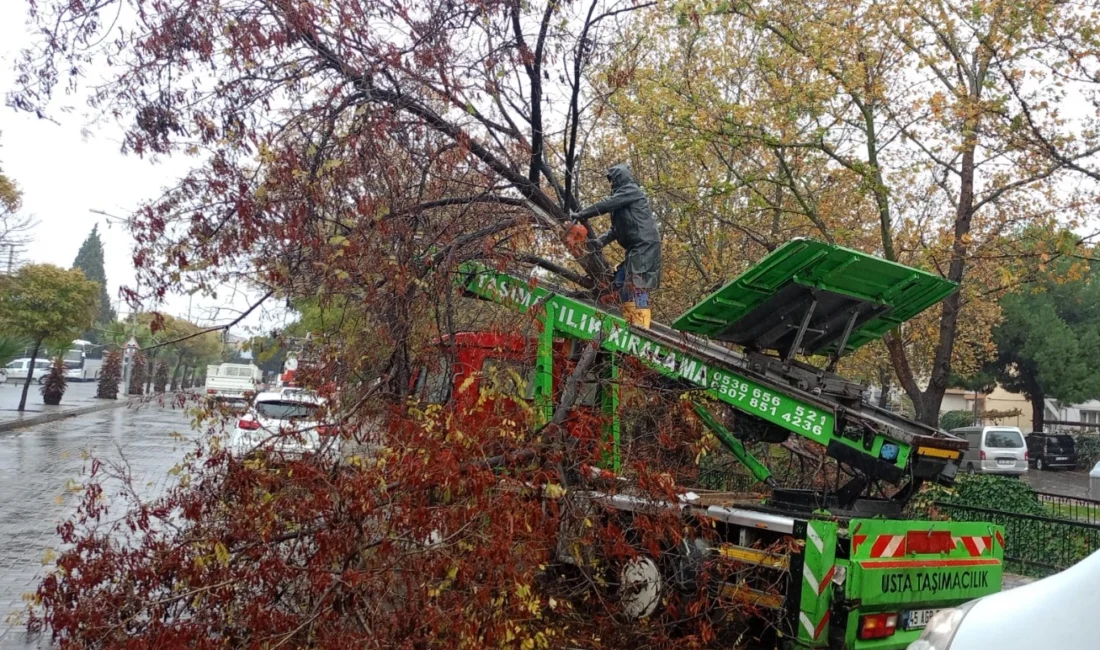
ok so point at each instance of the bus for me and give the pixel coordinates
(78, 366)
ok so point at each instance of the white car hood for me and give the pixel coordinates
(1059, 612)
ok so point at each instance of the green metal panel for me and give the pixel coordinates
(896, 562)
(609, 402)
(885, 293)
(544, 374)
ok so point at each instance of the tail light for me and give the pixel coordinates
(328, 430)
(1027, 455)
(982, 457)
(877, 626)
(248, 424)
(211, 391)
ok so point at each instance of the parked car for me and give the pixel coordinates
(17, 370)
(1056, 612)
(993, 450)
(286, 423)
(1051, 450)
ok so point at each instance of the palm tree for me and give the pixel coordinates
(11, 347)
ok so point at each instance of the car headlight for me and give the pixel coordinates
(940, 631)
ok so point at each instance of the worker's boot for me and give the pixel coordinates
(630, 313)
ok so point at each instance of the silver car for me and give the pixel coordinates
(993, 450)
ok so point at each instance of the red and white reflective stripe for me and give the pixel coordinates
(975, 544)
(926, 543)
(813, 630)
(888, 546)
(817, 586)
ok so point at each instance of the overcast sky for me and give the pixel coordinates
(65, 173)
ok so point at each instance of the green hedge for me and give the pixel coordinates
(1088, 450)
(954, 419)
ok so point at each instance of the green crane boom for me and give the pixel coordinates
(780, 393)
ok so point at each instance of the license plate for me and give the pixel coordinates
(1005, 461)
(1061, 458)
(916, 619)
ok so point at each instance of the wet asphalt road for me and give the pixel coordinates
(1072, 484)
(36, 466)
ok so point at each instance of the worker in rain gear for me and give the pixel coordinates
(634, 228)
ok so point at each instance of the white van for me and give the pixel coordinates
(993, 450)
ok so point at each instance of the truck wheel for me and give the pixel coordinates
(640, 586)
(970, 468)
(1039, 464)
(42, 380)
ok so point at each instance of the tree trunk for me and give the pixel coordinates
(30, 375)
(176, 376)
(151, 365)
(885, 379)
(927, 402)
(400, 362)
(1038, 410)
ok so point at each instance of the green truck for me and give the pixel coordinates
(861, 576)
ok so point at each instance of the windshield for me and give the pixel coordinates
(1004, 439)
(285, 410)
(74, 359)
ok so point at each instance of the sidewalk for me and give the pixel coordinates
(78, 400)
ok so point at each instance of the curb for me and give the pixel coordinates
(12, 425)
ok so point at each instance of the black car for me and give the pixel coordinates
(1051, 450)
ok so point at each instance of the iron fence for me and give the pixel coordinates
(1067, 507)
(1034, 545)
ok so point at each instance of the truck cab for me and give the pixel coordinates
(232, 381)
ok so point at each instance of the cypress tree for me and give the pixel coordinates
(90, 260)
